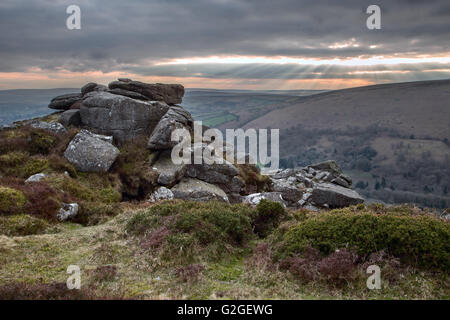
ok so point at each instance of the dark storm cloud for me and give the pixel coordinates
(131, 35)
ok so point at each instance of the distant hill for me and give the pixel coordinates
(24, 104)
(234, 108)
(420, 108)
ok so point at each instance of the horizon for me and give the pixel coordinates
(238, 89)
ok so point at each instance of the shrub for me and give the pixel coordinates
(89, 187)
(254, 180)
(421, 240)
(134, 169)
(47, 291)
(61, 165)
(339, 266)
(93, 213)
(43, 200)
(267, 217)
(105, 273)
(336, 269)
(40, 141)
(35, 141)
(189, 230)
(190, 272)
(12, 201)
(22, 225)
(20, 164)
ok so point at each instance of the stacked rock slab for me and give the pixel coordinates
(175, 118)
(172, 94)
(321, 185)
(64, 102)
(122, 117)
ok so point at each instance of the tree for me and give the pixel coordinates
(377, 185)
(383, 182)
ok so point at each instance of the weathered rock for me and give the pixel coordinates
(89, 152)
(288, 189)
(342, 182)
(120, 116)
(8, 126)
(55, 127)
(197, 190)
(162, 193)
(302, 178)
(64, 102)
(175, 118)
(70, 118)
(283, 174)
(334, 196)
(67, 211)
(76, 105)
(328, 166)
(35, 178)
(170, 93)
(92, 86)
(217, 173)
(169, 173)
(256, 198)
(130, 94)
(237, 185)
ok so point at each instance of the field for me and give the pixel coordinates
(116, 264)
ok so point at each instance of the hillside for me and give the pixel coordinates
(234, 108)
(94, 186)
(421, 108)
(393, 137)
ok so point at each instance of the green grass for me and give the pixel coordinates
(243, 272)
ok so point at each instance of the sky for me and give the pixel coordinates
(227, 44)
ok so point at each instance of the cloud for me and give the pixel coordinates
(134, 36)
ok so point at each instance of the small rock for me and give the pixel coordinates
(341, 182)
(335, 196)
(288, 189)
(36, 178)
(256, 198)
(55, 127)
(330, 166)
(162, 193)
(70, 118)
(197, 190)
(67, 211)
(90, 152)
(169, 173)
